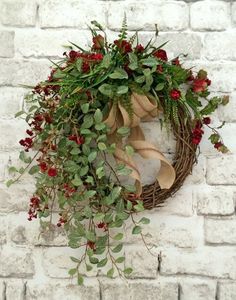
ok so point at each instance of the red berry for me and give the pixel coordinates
(206, 120)
(52, 172)
(175, 94)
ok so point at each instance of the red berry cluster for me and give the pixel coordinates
(123, 46)
(102, 225)
(197, 133)
(34, 208)
(161, 54)
(88, 59)
(98, 42)
(68, 190)
(78, 139)
(175, 94)
(200, 82)
(61, 222)
(91, 245)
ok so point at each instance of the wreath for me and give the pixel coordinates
(89, 111)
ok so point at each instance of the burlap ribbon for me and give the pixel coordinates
(143, 109)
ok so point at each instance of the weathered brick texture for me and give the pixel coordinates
(193, 237)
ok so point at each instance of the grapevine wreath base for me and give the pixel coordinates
(184, 159)
(90, 108)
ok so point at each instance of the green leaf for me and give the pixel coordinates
(102, 263)
(119, 74)
(24, 158)
(106, 61)
(129, 150)
(150, 62)
(133, 65)
(124, 131)
(19, 113)
(122, 89)
(93, 260)
(85, 108)
(128, 271)
(88, 122)
(106, 89)
(100, 126)
(110, 273)
(9, 182)
(76, 181)
(74, 259)
(98, 116)
(80, 279)
(120, 260)
(89, 194)
(102, 146)
(33, 170)
(118, 237)
(78, 64)
(83, 171)
(144, 220)
(90, 235)
(117, 249)
(88, 267)
(140, 79)
(92, 156)
(136, 230)
(72, 271)
(115, 192)
(160, 86)
(99, 217)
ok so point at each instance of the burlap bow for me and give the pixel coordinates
(143, 109)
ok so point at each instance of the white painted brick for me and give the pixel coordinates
(165, 230)
(55, 290)
(220, 231)
(15, 198)
(71, 13)
(41, 43)
(207, 261)
(198, 172)
(3, 230)
(168, 15)
(220, 45)
(227, 291)
(16, 262)
(27, 232)
(181, 204)
(15, 289)
(144, 264)
(11, 100)
(227, 113)
(16, 131)
(221, 169)
(138, 290)
(214, 200)
(196, 289)
(17, 72)
(7, 43)
(210, 15)
(18, 13)
(234, 13)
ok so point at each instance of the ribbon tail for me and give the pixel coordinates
(166, 175)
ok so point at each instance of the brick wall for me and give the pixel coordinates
(194, 235)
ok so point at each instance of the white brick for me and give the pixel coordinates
(27, 232)
(16, 72)
(3, 230)
(16, 262)
(207, 261)
(234, 13)
(198, 172)
(144, 264)
(41, 43)
(18, 12)
(220, 231)
(227, 291)
(15, 198)
(71, 13)
(62, 290)
(11, 99)
(164, 230)
(138, 290)
(209, 15)
(220, 46)
(168, 15)
(180, 204)
(2, 289)
(16, 131)
(15, 289)
(221, 169)
(197, 289)
(214, 200)
(227, 113)
(7, 43)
